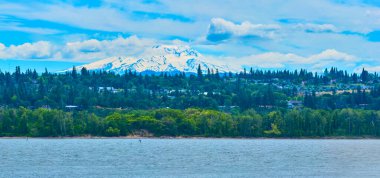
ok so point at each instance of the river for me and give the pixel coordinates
(189, 158)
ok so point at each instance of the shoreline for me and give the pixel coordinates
(200, 137)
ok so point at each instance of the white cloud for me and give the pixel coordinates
(355, 17)
(317, 28)
(90, 50)
(44, 31)
(104, 18)
(273, 60)
(117, 16)
(12, 26)
(332, 55)
(38, 50)
(367, 67)
(87, 50)
(95, 49)
(221, 29)
(2, 46)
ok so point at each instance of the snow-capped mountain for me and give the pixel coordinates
(160, 58)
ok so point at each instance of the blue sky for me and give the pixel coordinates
(271, 34)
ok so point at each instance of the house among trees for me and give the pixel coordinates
(292, 104)
(46, 107)
(109, 89)
(71, 107)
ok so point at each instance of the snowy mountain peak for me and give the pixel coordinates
(159, 58)
(175, 50)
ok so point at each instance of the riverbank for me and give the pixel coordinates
(200, 137)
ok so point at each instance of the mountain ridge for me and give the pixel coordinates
(158, 59)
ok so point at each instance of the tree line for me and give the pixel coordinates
(251, 89)
(191, 122)
(251, 103)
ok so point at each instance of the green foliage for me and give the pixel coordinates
(274, 131)
(112, 132)
(256, 89)
(191, 122)
(246, 104)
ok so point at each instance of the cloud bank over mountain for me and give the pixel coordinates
(221, 29)
(134, 47)
(293, 34)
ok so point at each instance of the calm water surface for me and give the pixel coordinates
(188, 158)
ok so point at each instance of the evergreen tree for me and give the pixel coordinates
(199, 72)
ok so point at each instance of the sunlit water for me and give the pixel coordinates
(188, 158)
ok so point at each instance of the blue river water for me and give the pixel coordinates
(189, 158)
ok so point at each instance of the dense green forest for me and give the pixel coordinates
(191, 122)
(254, 89)
(253, 103)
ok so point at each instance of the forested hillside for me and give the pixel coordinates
(253, 103)
(247, 90)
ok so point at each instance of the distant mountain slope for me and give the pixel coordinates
(160, 58)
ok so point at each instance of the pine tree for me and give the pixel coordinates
(364, 76)
(17, 73)
(84, 71)
(199, 72)
(74, 72)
